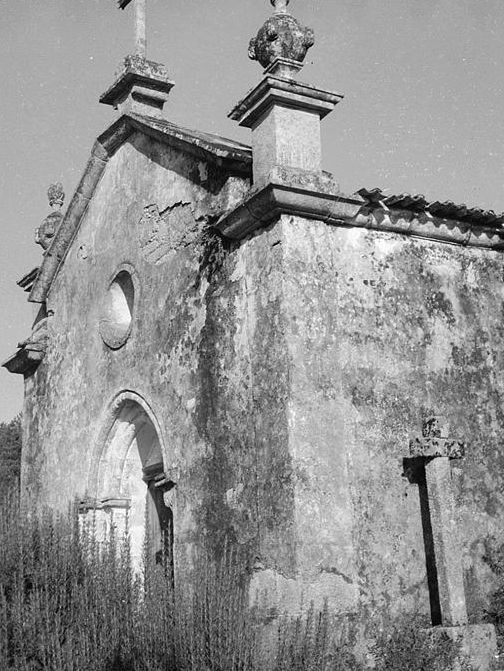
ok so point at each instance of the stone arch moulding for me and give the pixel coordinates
(102, 440)
(129, 483)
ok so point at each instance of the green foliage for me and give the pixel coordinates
(494, 555)
(10, 453)
(494, 613)
(408, 645)
(66, 602)
(214, 251)
(308, 643)
(69, 602)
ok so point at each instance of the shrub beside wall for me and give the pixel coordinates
(69, 603)
(10, 454)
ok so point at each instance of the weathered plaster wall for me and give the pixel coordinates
(288, 373)
(207, 352)
(69, 396)
(382, 329)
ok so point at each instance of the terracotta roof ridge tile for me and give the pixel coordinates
(443, 209)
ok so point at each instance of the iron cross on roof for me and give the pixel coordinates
(140, 36)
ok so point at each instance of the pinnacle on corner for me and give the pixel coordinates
(283, 114)
(141, 86)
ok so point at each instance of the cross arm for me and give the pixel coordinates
(436, 447)
(436, 441)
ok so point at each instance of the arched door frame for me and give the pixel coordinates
(129, 422)
(102, 443)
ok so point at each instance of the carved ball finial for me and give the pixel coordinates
(56, 195)
(45, 233)
(282, 36)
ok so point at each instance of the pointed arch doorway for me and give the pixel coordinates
(131, 472)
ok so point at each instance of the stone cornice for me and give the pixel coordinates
(298, 193)
(283, 91)
(25, 360)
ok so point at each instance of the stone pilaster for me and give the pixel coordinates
(284, 117)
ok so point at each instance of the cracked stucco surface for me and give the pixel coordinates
(288, 373)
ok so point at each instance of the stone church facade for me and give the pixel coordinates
(228, 341)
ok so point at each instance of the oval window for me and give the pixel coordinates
(117, 315)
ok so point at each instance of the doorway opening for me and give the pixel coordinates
(131, 469)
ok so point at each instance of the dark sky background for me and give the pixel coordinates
(422, 112)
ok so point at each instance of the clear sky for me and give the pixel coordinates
(423, 108)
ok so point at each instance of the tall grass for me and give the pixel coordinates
(66, 602)
(71, 603)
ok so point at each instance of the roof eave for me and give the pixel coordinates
(237, 159)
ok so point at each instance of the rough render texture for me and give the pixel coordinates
(381, 330)
(288, 374)
(285, 136)
(68, 397)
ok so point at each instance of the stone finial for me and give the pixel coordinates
(283, 114)
(282, 36)
(45, 233)
(56, 195)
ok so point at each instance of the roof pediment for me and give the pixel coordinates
(236, 157)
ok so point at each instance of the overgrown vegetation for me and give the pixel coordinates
(10, 454)
(71, 603)
(408, 645)
(494, 613)
(214, 251)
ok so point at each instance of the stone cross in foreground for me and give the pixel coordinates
(432, 453)
(140, 30)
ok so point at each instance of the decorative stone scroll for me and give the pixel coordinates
(431, 454)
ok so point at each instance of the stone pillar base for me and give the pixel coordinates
(478, 645)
